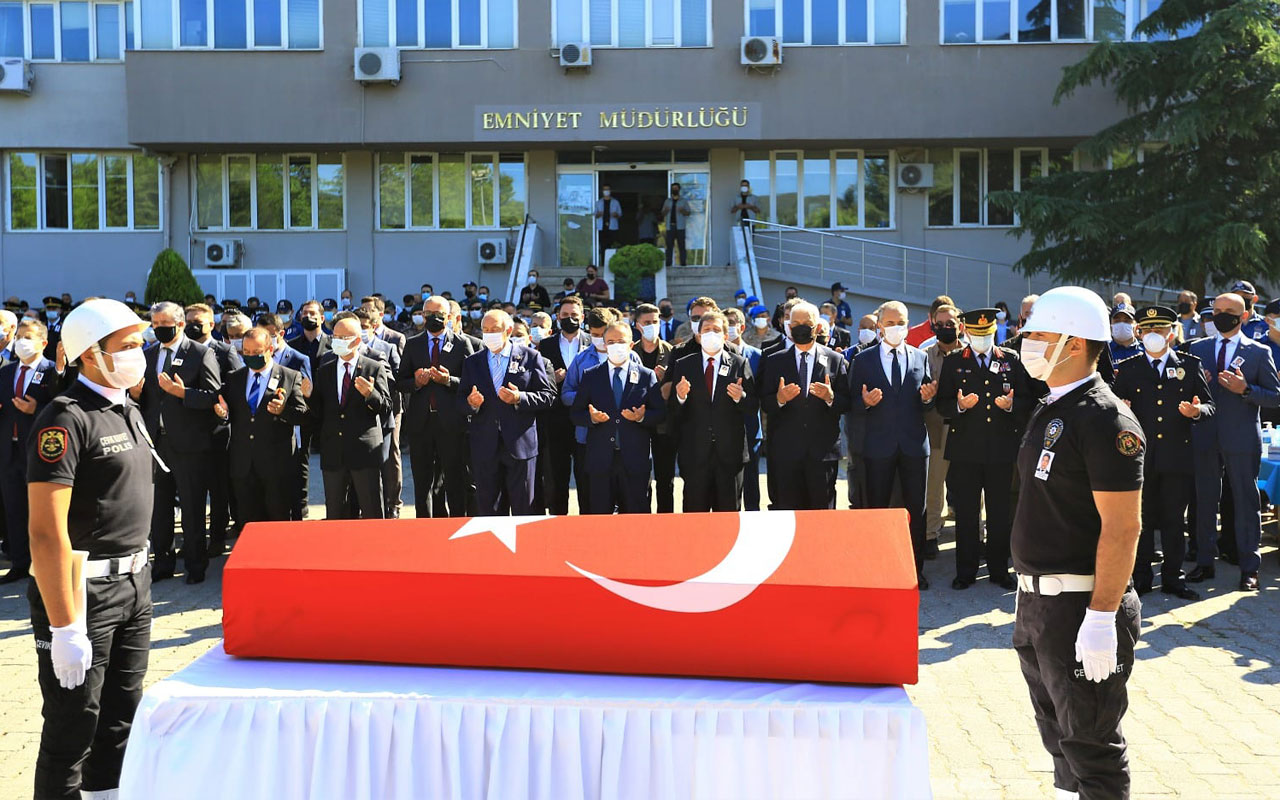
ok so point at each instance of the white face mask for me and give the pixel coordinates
(1000, 315)
(617, 353)
(341, 347)
(238, 344)
(26, 349)
(475, 314)
(419, 320)
(1154, 343)
(493, 341)
(982, 344)
(130, 366)
(649, 332)
(745, 190)
(606, 193)
(894, 334)
(598, 343)
(733, 333)
(533, 280)
(149, 335)
(760, 322)
(712, 342)
(537, 334)
(866, 335)
(1210, 329)
(1122, 331)
(1033, 357)
(520, 340)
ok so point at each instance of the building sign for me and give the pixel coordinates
(631, 122)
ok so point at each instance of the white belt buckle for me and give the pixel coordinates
(1050, 586)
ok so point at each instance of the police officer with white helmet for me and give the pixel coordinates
(89, 485)
(1073, 546)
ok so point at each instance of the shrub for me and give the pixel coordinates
(171, 279)
(632, 263)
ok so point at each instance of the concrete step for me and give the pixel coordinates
(718, 283)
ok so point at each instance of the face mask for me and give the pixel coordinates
(945, 333)
(791, 297)
(130, 366)
(693, 321)
(426, 296)
(53, 316)
(591, 276)
(665, 313)
(475, 313)
(523, 341)
(418, 320)
(598, 343)
(165, 333)
(196, 330)
(346, 302)
(533, 280)
(537, 334)
(741, 301)
(866, 335)
(366, 336)
(1034, 360)
(344, 347)
(1000, 315)
(820, 338)
(839, 295)
(744, 190)
(802, 334)
(1184, 308)
(605, 194)
(1225, 322)
(1122, 331)
(494, 341)
(1209, 328)
(26, 348)
(617, 352)
(255, 362)
(982, 344)
(309, 323)
(733, 333)
(649, 332)
(1154, 343)
(238, 344)
(894, 334)
(434, 322)
(483, 296)
(760, 323)
(388, 317)
(328, 316)
(712, 342)
(128, 298)
(569, 325)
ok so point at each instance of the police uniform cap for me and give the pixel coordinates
(1272, 308)
(329, 304)
(1156, 315)
(1244, 287)
(52, 302)
(1124, 308)
(980, 321)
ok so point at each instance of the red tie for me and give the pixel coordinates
(710, 376)
(17, 391)
(346, 384)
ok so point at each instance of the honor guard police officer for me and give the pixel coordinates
(89, 484)
(1073, 545)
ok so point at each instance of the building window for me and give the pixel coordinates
(69, 31)
(425, 191)
(444, 24)
(964, 178)
(823, 189)
(82, 191)
(225, 24)
(827, 22)
(270, 191)
(996, 21)
(632, 23)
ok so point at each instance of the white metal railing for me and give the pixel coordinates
(745, 258)
(522, 259)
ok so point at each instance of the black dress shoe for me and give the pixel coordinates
(1182, 592)
(217, 547)
(922, 581)
(1230, 558)
(14, 575)
(961, 583)
(158, 575)
(1006, 582)
(1200, 574)
(195, 577)
(1190, 557)
(931, 549)
(1142, 588)
(1249, 582)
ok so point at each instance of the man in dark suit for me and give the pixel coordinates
(891, 387)
(429, 375)
(1242, 378)
(655, 353)
(263, 401)
(348, 403)
(392, 477)
(393, 467)
(177, 397)
(714, 395)
(560, 447)
(26, 387)
(313, 343)
(221, 502)
(282, 353)
(668, 324)
(620, 403)
(803, 392)
(502, 388)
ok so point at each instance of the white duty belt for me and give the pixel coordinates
(1051, 585)
(133, 564)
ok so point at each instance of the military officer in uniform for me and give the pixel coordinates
(89, 473)
(1168, 394)
(1073, 545)
(984, 394)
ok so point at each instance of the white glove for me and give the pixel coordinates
(72, 654)
(1096, 644)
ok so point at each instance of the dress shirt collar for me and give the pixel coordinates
(111, 394)
(1056, 392)
(175, 344)
(1234, 338)
(505, 352)
(887, 352)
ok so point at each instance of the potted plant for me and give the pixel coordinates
(171, 279)
(634, 267)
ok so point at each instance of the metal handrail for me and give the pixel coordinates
(514, 278)
(864, 240)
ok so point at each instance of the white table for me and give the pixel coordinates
(237, 728)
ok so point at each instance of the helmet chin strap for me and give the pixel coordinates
(1054, 363)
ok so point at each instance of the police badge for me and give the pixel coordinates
(1051, 432)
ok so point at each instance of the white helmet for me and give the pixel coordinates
(94, 320)
(1071, 310)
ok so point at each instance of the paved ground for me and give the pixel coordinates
(1203, 721)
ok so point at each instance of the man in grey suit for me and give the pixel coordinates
(675, 212)
(1242, 378)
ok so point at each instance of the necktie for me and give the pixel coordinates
(1222, 356)
(346, 384)
(168, 360)
(804, 373)
(255, 393)
(495, 370)
(982, 360)
(435, 351)
(897, 372)
(617, 387)
(1155, 365)
(710, 376)
(17, 391)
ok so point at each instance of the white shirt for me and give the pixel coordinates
(265, 372)
(715, 370)
(569, 347)
(1158, 363)
(110, 393)
(1056, 392)
(886, 360)
(21, 391)
(1233, 344)
(343, 366)
(810, 356)
(172, 346)
(608, 207)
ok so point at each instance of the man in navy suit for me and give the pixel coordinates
(502, 388)
(200, 329)
(620, 403)
(891, 388)
(1242, 379)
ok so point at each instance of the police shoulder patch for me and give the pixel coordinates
(51, 444)
(1128, 443)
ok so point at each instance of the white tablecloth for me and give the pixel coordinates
(283, 730)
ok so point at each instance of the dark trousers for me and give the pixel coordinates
(566, 456)
(302, 471)
(86, 728)
(264, 497)
(804, 484)
(664, 472)
(1164, 505)
(392, 471)
(617, 488)
(711, 486)
(13, 493)
(504, 483)
(751, 472)
(911, 472)
(606, 238)
(1079, 720)
(1242, 475)
(188, 478)
(220, 492)
(675, 238)
(365, 483)
(968, 483)
(436, 456)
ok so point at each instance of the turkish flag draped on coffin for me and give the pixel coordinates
(803, 595)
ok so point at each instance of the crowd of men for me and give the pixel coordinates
(502, 406)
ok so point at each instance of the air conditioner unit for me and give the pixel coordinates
(491, 251)
(377, 65)
(15, 75)
(915, 176)
(761, 51)
(575, 54)
(221, 252)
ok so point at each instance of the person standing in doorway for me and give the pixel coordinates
(608, 212)
(676, 211)
(748, 205)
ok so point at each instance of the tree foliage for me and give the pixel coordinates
(630, 264)
(1202, 205)
(171, 279)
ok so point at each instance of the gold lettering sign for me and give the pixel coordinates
(712, 117)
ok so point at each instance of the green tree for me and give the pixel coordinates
(1203, 204)
(171, 279)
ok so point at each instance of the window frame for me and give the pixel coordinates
(494, 157)
(677, 8)
(102, 155)
(1135, 11)
(984, 183)
(57, 32)
(286, 193)
(833, 156)
(841, 22)
(250, 30)
(453, 21)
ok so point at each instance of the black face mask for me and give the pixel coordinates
(255, 362)
(591, 276)
(1184, 308)
(946, 334)
(310, 323)
(166, 333)
(1225, 322)
(693, 321)
(665, 313)
(435, 322)
(802, 334)
(195, 330)
(820, 338)
(569, 325)
(791, 297)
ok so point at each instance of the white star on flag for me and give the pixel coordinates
(503, 528)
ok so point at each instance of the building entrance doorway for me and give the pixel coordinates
(640, 193)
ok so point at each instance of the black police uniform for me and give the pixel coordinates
(1169, 471)
(1091, 442)
(103, 453)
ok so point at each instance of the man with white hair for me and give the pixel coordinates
(8, 324)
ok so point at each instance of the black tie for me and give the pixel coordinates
(982, 361)
(168, 359)
(1155, 365)
(804, 374)
(897, 372)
